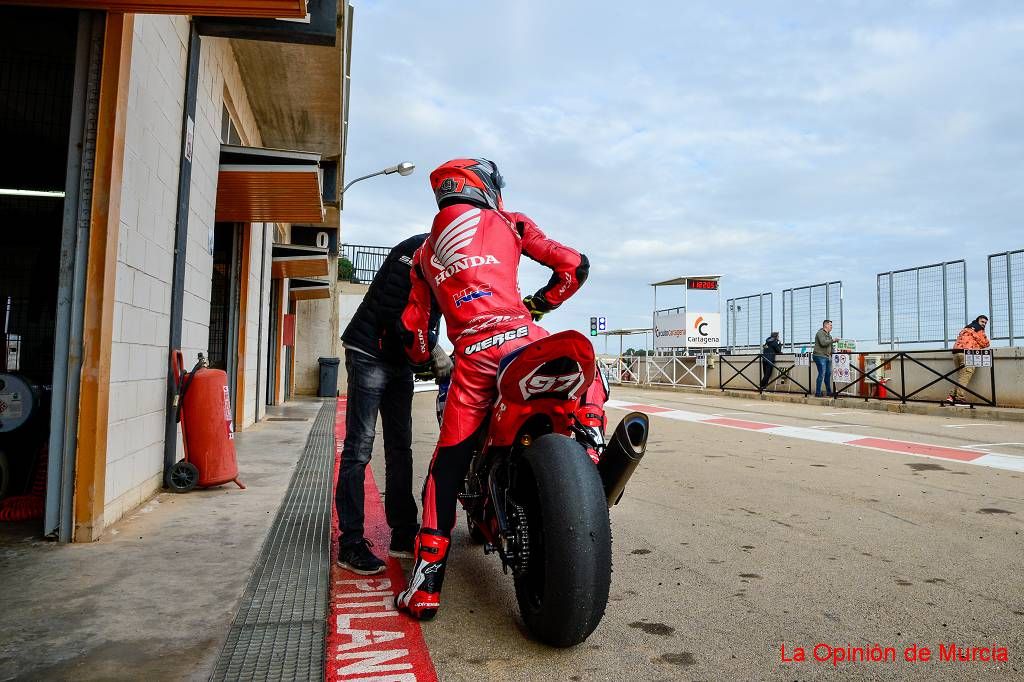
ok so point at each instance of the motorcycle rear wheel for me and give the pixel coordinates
(563, 592)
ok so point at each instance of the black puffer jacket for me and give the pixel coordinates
(372, 328)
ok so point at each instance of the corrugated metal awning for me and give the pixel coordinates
(292, 260)
(268, 185)
(271, 9)
(307, 289)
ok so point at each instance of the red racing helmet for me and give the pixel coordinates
(473, 181)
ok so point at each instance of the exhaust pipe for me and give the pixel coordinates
(622, 455)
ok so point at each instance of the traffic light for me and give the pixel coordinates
(602, 324)
(593, 326)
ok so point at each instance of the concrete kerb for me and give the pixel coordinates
(895, 407)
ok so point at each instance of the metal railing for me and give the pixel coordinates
(772, 373)
(623, 369)
(689, 371)
(363, 262)
(1006, 296)
(677, 370)
(901, 376)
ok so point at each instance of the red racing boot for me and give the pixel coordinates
(422, 598)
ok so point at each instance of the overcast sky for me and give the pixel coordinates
(777, 143)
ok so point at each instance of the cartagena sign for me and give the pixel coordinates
(703, 330)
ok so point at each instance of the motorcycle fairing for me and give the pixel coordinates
(546, 377)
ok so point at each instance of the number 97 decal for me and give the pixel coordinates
(535, 384)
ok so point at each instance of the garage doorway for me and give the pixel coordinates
(49, 85)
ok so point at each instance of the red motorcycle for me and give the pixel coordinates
(533, 494)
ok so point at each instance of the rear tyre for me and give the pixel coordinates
(182, 477)
(563, 592)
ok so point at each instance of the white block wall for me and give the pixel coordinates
(138, 390)
(139, 358)
(316, 335)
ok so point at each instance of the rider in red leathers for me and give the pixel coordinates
(469, 268)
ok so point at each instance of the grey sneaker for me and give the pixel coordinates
(359, 559)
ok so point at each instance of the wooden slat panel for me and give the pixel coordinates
(267, 9)
(254, 196)
(299, 267)
(311, 293)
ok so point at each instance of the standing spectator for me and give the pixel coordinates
(772, 347)
(971, 337)
(823, 358)
(380, 380)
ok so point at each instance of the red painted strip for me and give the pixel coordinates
(366, 638)
(652, 409)
(738, 423)
(917, 448)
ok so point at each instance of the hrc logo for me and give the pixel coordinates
(471, 294)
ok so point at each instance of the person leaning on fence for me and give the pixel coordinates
(772, 347)
(823, 358)
(971, 337)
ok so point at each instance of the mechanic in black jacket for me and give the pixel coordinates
(772, 347)
(381, 380)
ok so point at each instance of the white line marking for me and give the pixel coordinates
(836, 426)
(982, 446)
(965, 426)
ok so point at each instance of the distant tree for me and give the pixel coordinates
(345, 269)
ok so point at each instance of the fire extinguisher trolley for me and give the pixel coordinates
(203, 406)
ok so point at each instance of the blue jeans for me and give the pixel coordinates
(377, 386)
(824, 366)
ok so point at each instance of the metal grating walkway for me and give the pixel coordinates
(278, 631)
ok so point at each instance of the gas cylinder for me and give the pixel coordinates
(207, 427)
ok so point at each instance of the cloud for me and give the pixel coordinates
(779, 145)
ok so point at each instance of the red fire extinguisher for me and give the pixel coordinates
(204, 410)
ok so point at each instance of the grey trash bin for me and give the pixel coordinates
(328, 377)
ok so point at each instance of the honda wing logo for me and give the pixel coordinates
(458, 234)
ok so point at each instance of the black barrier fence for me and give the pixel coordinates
(363, 262)
(900, 376)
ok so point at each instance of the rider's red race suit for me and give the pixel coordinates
(469, 267)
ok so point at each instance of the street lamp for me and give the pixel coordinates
(404, 168)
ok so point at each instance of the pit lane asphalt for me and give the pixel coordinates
(729, 544)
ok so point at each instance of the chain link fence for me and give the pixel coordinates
(804, 309)
(748, 320)
(1006, 296)
(926, 304)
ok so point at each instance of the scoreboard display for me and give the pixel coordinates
(702, 284)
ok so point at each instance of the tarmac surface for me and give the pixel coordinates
(730, 544)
